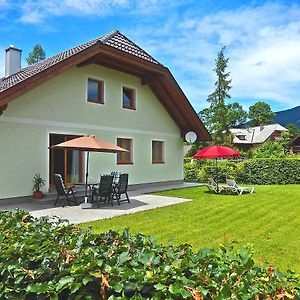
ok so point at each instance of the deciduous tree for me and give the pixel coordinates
(260, 113)
(293, 130)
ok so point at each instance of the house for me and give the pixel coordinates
(253, 137)
(295, 144)
(108, 87)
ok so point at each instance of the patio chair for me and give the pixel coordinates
(103, 191)
(121, 188)
(63, 191)
(116, 177)
(212, 186)
(232, 187)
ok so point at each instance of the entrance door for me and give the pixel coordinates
(68, 163)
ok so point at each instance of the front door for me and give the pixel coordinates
(68, 163)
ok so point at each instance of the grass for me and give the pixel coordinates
(269, 219)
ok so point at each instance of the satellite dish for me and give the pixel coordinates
(191, 137)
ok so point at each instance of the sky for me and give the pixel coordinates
(262, 40)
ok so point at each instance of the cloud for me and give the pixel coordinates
(263, 41)
(4, 4)
(35, 11)
(263, 45)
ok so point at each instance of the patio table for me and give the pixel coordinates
(89, 184)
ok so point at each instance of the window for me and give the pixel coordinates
(128, 98)
(95, 91)
(157, 152)
(124, 158)
(241, 137)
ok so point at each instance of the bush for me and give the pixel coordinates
(49, 259)
(271, 171)
(252, 171)
(270, 149)
(191, 172)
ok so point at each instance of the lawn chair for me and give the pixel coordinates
(232, 187)
(212, 185)
(63, 191)
(121, 188)
(103, 190)
(116, 177)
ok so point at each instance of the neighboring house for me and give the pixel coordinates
(108, 87)
(253, 137)
(295, 144)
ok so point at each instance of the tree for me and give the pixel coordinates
(236, 115)
(36, 55)
(206, 116)
(293, 130)
(284, 141)
(217, 112)
(270, 149)
(260, 114)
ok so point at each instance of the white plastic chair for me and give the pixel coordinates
(213, 186)
(232, 187)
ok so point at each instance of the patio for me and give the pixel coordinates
(140, 200)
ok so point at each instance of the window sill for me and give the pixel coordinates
(124, 163)
(95, 101)
(129, 107)
(158, 162)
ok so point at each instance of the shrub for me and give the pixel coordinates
(272, 171)
(270, 149)
(191, 172)
(252, 171)
(49, 259)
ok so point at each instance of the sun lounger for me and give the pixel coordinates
(213, 186)
(232, 187)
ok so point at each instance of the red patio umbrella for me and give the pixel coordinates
(215, 152)
(89, 143)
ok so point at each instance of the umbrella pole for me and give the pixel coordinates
(217, 176)
(86, 203)
(86, 177)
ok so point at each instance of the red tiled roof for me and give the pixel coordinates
(114, 39)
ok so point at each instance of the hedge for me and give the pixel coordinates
(252, 171)
(272, 171)
(48, 258)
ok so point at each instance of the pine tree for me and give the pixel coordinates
(216, 99)
(36, 55)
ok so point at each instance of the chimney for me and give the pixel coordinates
(12, 60)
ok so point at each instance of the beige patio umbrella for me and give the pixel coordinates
(89, 143)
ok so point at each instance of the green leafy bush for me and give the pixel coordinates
(271, 171)
(49, 259)
(252, 171)
(270, 149)
(191, 172)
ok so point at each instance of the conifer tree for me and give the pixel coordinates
(36, 55)
(218, 108)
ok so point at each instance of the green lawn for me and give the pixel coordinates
(269, 219)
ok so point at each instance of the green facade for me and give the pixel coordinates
(59, 106)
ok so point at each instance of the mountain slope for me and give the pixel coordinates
(289, 116)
